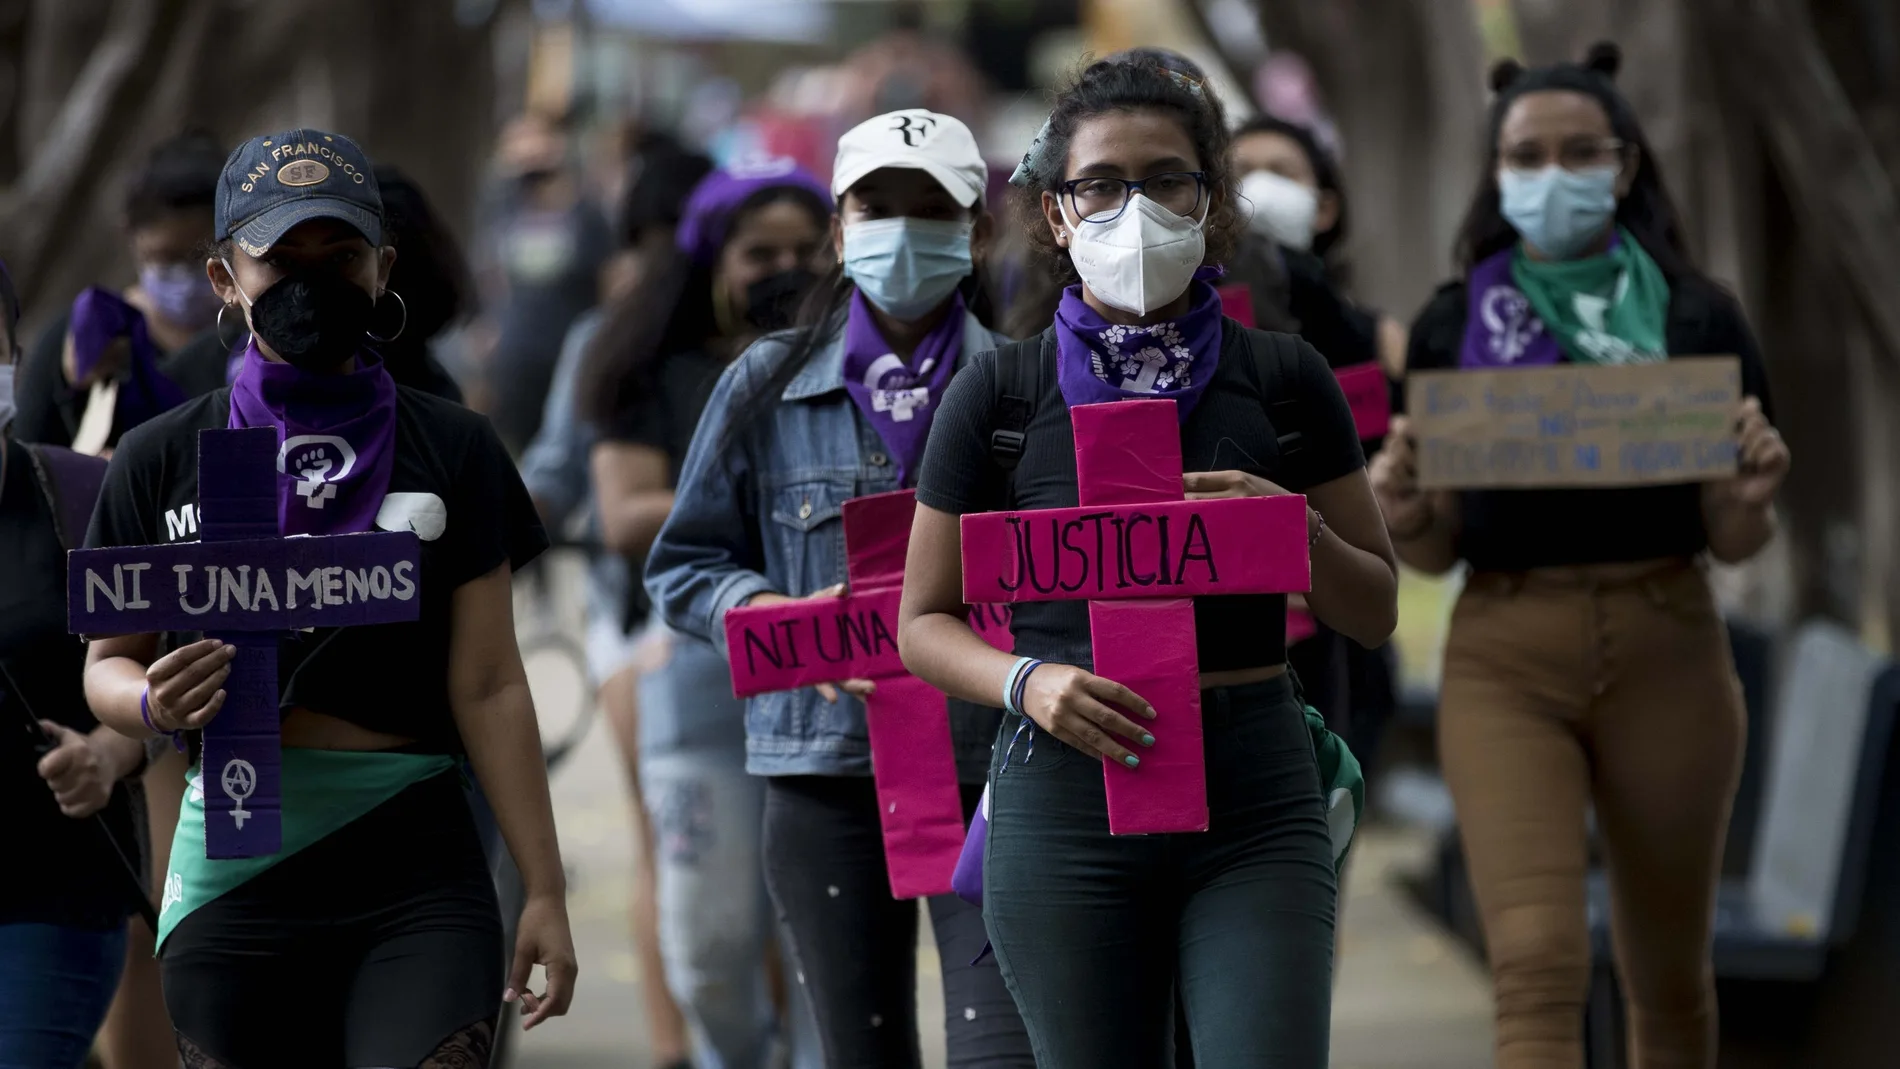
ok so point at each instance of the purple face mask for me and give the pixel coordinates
(181, 294)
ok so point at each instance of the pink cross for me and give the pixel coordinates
(800, 643)
(1139, 553)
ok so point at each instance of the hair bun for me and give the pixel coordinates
(1505, 74)
(1605, 58)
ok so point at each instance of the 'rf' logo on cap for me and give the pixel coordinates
(302, 173)
(914, 129)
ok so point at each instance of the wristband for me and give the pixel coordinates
(1319, 530)
(145, 714)
(1022, 685)
(1009, 684)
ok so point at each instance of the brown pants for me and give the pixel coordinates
(1609, 686)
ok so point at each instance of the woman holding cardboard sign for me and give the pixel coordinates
(840, 408)
(368, 932)
(1586, 664)
(1095, 931)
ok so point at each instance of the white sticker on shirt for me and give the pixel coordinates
(425, 514)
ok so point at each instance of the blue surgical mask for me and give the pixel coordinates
(1559, 212)
(905, 266)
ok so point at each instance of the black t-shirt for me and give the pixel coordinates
(66, 872)
(664, 415)
(386, 677)
(1228, 429)
(1516, 530)
(48, 408)
(1344, 333)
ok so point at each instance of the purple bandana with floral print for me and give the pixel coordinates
(1100, 361)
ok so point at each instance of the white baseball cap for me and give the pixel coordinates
(939, 145)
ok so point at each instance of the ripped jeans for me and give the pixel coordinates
(715, 920)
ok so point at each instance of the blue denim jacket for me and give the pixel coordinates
(762, 513)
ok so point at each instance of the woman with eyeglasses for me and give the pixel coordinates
(1094, 931)
(1587, 668)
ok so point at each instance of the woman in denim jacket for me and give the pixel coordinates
(802, 422)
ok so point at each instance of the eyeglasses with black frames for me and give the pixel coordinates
(1103, 200)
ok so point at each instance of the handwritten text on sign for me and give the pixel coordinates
(1577, 424)
(791, 644)
(266, 584)
(1179, 549)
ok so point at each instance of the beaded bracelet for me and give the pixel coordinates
(145, 714)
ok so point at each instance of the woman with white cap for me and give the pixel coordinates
(797, 425)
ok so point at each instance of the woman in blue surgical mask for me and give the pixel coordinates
(1587, 668)
(838, 408)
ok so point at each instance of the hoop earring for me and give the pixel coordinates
(404, 305)
(222, 344)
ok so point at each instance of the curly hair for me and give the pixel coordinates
(1131, 82)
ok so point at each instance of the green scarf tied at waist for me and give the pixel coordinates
(1607, 309)
(1343, 783)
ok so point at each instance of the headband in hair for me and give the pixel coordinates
(1024, 174)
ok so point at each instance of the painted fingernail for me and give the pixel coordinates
(1147, 739)
(1131, 760)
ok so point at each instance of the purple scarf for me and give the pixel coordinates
(900, 400)
(1100, 361)
(100, 318)
(338, 434)
(1501, 330)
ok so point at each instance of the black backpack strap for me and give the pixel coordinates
(70, 481)
(1275, 363)
(1018, 387)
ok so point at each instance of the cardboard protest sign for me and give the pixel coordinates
(828, 640)
(1576, 424)
(243, 585)
(1140, 554)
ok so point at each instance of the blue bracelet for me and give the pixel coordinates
(1009, 685)
(1022, 685)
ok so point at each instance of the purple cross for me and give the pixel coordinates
(244, 584)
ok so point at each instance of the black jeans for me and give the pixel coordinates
(1092, 931)
(855, 947)
(378, 945)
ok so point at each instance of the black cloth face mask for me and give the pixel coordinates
(315, 320)
(771, 303)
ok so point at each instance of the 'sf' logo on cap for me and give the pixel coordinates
(302, 173)
(914, 129)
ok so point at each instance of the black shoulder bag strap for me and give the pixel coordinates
(1018, 387)
(1275, 361)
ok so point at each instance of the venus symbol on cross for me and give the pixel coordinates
(242, 584)
(1140, 554)
(799, 643)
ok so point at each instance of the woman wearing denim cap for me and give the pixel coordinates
(805, 420)
(368, 932)
(1586, 669)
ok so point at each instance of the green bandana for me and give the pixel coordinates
(1343, 782)
(1606, 309)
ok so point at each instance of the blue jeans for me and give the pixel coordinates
(56, 984)
(1092, 930)
(715, 920)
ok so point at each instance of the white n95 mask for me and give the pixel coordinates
(1141, 260)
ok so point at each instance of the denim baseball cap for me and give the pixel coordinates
(272, 183)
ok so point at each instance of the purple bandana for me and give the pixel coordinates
(338, 435)
(100, 318)
(1100, 361)
(708, 212)
(1500, 328)
(899, 399)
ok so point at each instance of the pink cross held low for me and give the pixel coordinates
(799, 643)
(1139, 553)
